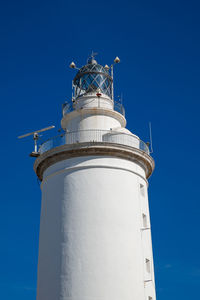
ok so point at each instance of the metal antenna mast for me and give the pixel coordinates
(35, 134)
(116, 61)
(150, 136)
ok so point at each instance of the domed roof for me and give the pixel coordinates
(124, 130)
(93, 67)
(92, 61)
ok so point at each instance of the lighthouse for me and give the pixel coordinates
(95, 232)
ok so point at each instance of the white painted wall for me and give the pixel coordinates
(92, 101)
(91, 244)
(146, 241)
(91, 112)
(91, 119)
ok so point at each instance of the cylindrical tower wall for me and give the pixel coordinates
(92, 101)
(91, 244)
(92, 119)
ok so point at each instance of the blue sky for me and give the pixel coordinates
(159, 74)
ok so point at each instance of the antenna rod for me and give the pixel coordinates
(116, 61)
(72, 89)
(36, 131)
(150, 135)
(112, 82)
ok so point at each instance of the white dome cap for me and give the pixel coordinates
(124, 130)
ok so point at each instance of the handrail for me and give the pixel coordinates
(94, 135)
(68, 107)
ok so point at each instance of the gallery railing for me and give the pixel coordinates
(68, 107)
(104, 136)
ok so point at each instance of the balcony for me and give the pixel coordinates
(68, 107)
(93, 136)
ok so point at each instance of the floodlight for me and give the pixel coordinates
(72, 65)
(116, 60)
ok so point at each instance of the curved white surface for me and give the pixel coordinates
(95, 238)
(92, 101)
(92, 245)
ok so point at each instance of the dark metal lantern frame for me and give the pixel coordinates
(92, 77)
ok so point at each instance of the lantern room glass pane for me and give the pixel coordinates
(92, 77)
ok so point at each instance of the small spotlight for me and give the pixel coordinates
(116, 60)
(106, 67)
(98, 93)
(72, 65)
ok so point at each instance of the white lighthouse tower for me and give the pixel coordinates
(95, 233)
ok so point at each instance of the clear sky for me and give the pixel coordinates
(159, 74)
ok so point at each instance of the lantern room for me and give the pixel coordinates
(93, 78)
